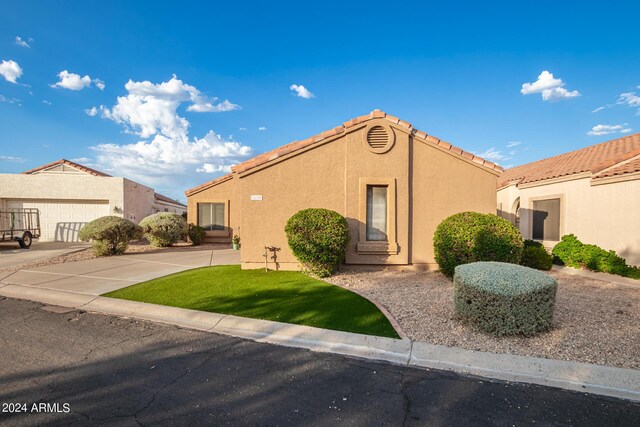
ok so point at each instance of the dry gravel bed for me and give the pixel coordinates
(595, 322)
(134, 248)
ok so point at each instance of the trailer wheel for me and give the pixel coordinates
(26, 240)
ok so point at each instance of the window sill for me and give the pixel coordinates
(366, 248)
(217, 233)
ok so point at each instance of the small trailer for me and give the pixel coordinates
(20, 225)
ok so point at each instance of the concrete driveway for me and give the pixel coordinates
(11, 254)
(100, 275)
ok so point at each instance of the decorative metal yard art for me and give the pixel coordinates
(274, 257)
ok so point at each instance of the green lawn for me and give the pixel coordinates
(283, 296)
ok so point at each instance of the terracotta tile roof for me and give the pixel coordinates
(376, 114)
(164, 198)
(631, 166)
(593, 159)
(208, 184)
(68, 163)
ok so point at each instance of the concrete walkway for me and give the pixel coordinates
(11, 254)
(605, 277)
(100, 275)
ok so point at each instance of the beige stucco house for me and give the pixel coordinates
(69, 195)
(593, 193)
(393, 183)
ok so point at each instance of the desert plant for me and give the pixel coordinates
(235, 240)
(536, 256)
(471, 236)
(196, 234)
(164, 228)
(572, 252)
(318, 238)
(504, 299)
(110, 234)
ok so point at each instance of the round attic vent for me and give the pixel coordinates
(379, 138)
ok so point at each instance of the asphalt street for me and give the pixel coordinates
(80, 368)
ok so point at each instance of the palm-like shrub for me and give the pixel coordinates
(318, 238)
(110, 235)
(471, 236)
(164, 228)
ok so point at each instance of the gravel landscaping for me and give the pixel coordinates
(141, 246)
(595, 321)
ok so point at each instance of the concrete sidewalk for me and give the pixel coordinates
(101, 275)
(605, 277)
(615, 382)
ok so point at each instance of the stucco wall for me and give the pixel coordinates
(138, 201)
(224, 192)
(442, 186)
(606, 215)
(64, 187)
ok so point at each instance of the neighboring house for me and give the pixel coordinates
(394, 184)
(69, 195)
(593, 193)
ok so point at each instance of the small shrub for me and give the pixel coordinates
(572, 252)
(504, 299)
(110, 234)
(164, 228)
(528, 243)
(470, 237)
(196, 234)
(318, 238)
(536, 257)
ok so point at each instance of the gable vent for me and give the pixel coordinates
(377, 138)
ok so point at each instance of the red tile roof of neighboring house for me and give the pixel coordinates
(164, 198)
(376, 114)
(68, 163)
(597, 159)
(624, 168)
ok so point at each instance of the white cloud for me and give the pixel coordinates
(10, 70)
(598, 109)
(9, 100)
(11, 159)
(44, 101)
(72, 81)
(630, 99)
(81, 160)
(598, 130)
(167, 152)
(513, 143)
(242, 129)
(21, 42)
(93, 111)
(99, 84)
(552, 89)
(493, 155)
(301, 91)
(261, 128)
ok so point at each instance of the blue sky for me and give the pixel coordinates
(94, 81)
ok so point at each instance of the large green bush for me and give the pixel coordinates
(318, 238)
(110, 234)
(536, 256)
(504, 299)
(572, 252)
(164, 228)
(471, 236)
(196, 234)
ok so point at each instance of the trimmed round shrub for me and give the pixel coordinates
(536, 256)
(504, 299)
(110, 234)
(318, 238)
(196, 234)
(164, 228)
(471, 236)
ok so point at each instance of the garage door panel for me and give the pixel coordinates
(62, 220)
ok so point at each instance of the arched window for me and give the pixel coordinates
(516, 213)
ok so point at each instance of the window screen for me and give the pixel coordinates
(546, 219)
(211, 216)
(376, 213)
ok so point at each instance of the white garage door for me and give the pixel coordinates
(60, 220)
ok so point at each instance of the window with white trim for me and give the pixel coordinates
(376, 213)
(211, 216)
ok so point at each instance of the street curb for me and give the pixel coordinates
(583, 377)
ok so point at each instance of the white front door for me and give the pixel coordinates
(61, 220)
